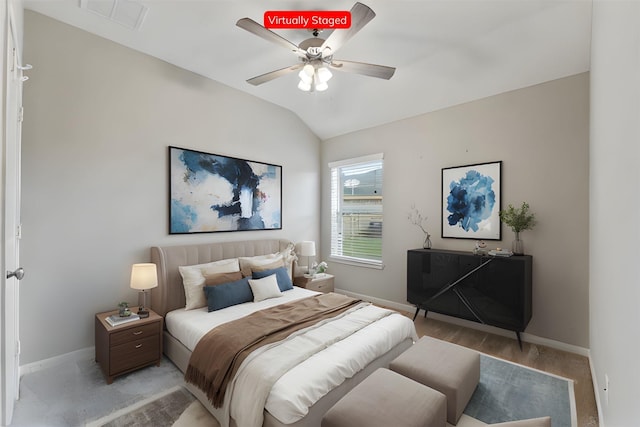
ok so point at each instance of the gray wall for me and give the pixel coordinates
(98, 120)
(615, 209)
(541, 134)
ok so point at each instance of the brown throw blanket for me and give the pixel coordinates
(221, 351)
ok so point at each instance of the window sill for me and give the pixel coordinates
(377, 265)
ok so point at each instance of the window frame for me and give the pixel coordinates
(336, 208)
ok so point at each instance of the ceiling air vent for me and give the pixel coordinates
(131, 14)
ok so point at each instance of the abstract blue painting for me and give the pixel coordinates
(471, 201)
(211, 193)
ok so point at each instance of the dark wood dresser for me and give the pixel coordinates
(491, 290)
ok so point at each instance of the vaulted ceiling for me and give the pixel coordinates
(446, 52)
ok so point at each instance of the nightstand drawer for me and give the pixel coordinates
(133, 354)
(325, 285)
(134, 333)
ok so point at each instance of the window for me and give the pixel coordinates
(356, 210)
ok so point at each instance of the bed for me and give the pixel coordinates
(289, 400)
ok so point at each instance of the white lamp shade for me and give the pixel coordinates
(308, 248)
(321, 87)
(144, 276)
(305, 76)
(304, 86)
(324, 74)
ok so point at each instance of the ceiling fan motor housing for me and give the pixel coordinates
(312, 45)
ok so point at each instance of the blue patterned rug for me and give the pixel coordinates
(509, 392)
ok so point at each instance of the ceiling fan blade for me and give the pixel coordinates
(360, 16)
(260, 31)
(379, 71)
(263, 78)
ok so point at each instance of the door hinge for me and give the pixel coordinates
(19, 232)
(13, 59)
(20, 114)
(18, 348)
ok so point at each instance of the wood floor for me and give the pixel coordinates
(565, 364)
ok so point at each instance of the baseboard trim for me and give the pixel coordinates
(74, 356)
(530, 338)
(596, 388)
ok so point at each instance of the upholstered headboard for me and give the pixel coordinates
(169, 295)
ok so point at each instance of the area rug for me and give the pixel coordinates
(506, 392)
(168, 408)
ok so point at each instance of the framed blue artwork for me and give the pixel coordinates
(471, 201)
(211, 193)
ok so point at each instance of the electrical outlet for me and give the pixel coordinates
(606, 389)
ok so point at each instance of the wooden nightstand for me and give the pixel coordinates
(322, 282)
(125, 348)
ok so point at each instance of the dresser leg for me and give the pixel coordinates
(519, 340)
(418, 311)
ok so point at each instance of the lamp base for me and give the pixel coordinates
(142, 303)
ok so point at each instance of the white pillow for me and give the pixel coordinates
(246, 263)
(287, 255)
(193, 279)
(264, 288)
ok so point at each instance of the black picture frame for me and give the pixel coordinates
(471, 201)
(211, 193)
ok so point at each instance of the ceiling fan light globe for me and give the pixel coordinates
(324, 74)
(321, 87)
(309, 70)
(304, 86)
(304, 77)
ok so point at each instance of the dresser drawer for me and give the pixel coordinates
(133, 354)
(134, 333)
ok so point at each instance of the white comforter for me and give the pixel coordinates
(297, 372)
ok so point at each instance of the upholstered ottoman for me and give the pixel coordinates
(387, 399)
(449, 368)
(533, 422)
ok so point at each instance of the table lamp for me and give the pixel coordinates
(143, 277)
(308, 249)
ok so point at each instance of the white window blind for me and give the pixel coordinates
(356, 210)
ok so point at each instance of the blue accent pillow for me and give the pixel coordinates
(282, 276)
(228, 294)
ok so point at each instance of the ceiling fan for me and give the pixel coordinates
(316, 54)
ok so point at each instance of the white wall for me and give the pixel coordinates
(98, 120)
(615, 208)
(541, 135)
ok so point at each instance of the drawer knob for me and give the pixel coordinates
(139, 345)
(137, 332)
